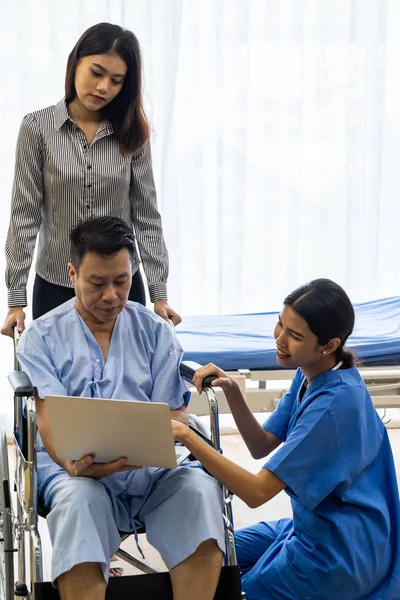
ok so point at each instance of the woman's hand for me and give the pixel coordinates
(15, 318)
(180, 431)
(166, 312)
(222, 379)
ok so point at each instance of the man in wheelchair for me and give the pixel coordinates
(101, 345)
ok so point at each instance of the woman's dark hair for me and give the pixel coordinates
(103, 235)
(328, 311)
(125, 112)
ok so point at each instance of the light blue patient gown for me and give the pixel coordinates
(343, 540)
(182, 507)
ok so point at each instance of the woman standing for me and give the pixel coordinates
(89, 155)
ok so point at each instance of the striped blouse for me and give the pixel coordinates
(59, 181)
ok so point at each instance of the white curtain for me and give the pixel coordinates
(275, 143)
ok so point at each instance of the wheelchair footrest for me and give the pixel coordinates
(143, 587)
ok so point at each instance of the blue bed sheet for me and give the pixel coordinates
(247, 342)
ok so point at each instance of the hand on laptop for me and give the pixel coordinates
(86, 467)
(180, 430)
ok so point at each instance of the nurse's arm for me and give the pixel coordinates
(253, 489)
(259, 441)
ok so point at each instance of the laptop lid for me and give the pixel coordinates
(110, 429)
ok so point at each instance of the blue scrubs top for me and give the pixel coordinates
(338, 466)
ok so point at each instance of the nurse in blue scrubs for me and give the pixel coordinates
(333, 458)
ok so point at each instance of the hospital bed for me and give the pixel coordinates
(19, 513)
(244, 345)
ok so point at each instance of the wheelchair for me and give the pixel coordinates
(19, 534)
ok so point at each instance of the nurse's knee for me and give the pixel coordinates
(242, 549)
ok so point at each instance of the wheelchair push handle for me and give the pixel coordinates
(188, 369)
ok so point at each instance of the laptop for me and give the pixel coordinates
(110, 429)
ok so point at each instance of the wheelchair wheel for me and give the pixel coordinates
(6, 530)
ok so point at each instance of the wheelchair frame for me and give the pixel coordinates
(25, 521)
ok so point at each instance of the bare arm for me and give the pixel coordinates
(259, 442)
(180, 414)
(254, 489)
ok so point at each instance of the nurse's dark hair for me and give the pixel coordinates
(102, 235)
(329, 313)
(125, 113)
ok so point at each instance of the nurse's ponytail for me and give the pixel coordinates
(329, 313)
(346, 357)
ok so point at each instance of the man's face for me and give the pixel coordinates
(102, 285)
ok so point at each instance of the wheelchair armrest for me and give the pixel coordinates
(21, 383)
(188, 369)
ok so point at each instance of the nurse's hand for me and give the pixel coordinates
(222, 379)
(166, 312)
(86, 467)
(180, 431)
(15, 318)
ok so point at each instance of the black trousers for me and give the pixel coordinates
(47, 296)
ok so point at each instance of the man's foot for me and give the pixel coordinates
(116, 568)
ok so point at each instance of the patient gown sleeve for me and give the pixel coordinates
(35, 359)
(168, 384)
(278, 422)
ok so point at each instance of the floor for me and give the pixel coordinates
(234, 449)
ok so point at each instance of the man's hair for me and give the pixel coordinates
(103, 235)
